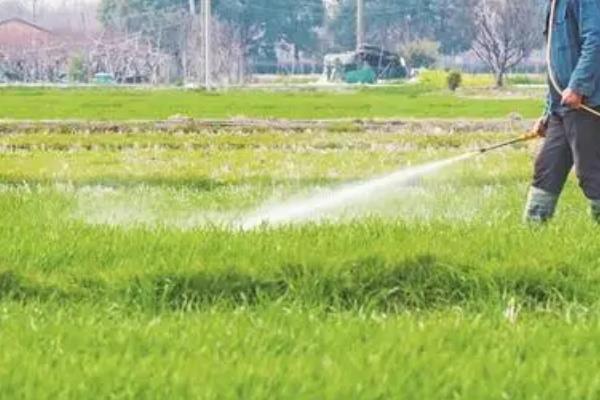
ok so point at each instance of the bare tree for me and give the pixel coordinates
(228, 65)
(506, 33)
(40, 64)
(129, 58)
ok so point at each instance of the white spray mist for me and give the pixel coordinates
(312, 207)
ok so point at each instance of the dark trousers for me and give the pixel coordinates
(571, 139)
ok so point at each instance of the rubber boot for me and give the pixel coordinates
(595, 210)
(540, 206)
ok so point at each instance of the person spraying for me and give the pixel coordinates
(571, 123)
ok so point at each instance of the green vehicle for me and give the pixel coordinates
(368, 64)
(104, 78)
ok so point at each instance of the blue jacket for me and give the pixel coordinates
(576, 50)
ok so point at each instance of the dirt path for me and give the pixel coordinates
(192, 125)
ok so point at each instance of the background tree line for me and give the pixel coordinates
(311, 28)
(252, 35)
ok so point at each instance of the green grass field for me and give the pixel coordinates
(408, 101)
(121, 278)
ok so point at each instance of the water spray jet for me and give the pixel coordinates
(320, 204)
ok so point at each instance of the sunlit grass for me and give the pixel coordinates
(408, 101)
(123, 276)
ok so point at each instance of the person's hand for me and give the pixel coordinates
(572, 99)
(540, 127)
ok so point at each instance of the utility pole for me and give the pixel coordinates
(360, 23)
(207, 31)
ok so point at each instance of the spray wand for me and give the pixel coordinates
(523, 138)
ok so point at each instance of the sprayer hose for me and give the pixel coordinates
(551, 75)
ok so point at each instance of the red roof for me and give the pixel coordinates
(21, 33)
(22, 21)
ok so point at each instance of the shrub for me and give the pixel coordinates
(438, 79)
(77, 69)
(454, 80)
(421, 53)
